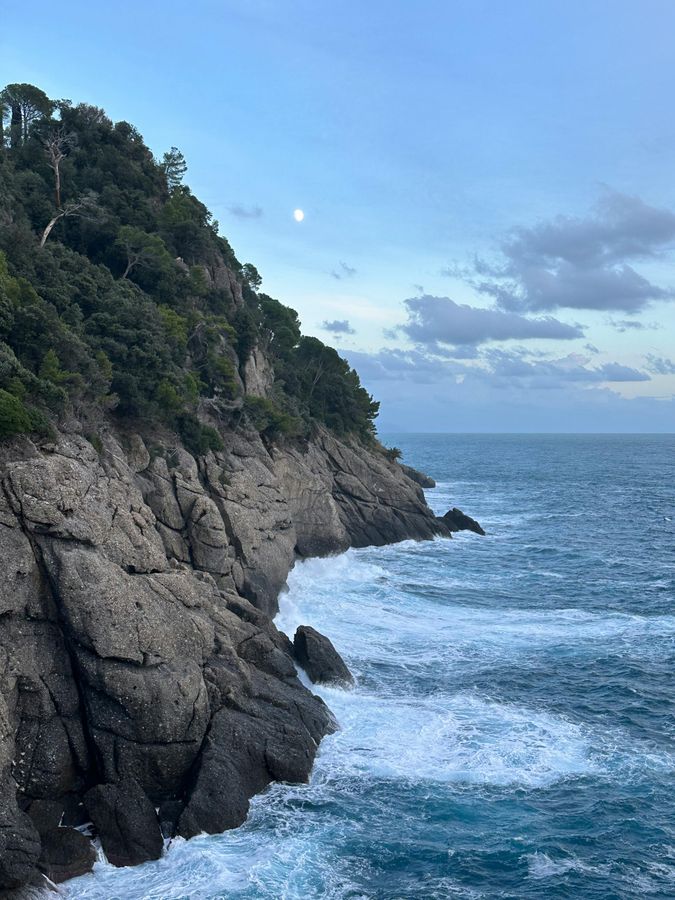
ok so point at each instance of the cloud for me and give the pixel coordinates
(582, 262)
(342, 270)
(245, 212)
(338, 326)
(555, 373)
(495, 369)
(660, 365)
(439, 320)
(506, 390)
(623, 325)
(402, 365)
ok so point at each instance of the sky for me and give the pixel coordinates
(488, 187)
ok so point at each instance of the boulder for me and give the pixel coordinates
(66, 853)
(126, 822)
(319, 658)
(456, 520)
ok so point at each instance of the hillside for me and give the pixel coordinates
(118, 294)
(169, 446)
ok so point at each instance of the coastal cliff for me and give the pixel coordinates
(170, 444)
(137, 647)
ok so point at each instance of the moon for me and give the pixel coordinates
(298, 215)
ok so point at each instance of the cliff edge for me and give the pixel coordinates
(141, 669)
(170, 443)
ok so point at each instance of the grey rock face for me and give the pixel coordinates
(418, 477)
(319, 658)
(258, 373)
(139, 665)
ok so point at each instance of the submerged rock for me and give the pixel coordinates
(456, 520)
(319, 658)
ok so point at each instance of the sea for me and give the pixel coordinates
(511, 733)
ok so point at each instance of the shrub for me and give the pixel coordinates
(268, 419)
(198, 438)
(18, 418)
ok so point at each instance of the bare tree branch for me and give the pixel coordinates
(85, 207)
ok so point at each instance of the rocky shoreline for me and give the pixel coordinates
(145, 687)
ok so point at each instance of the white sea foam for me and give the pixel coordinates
(541, 866)
(459, 739)
(374, 615)
(393, 614)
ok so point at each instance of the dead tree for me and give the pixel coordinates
(57, 144)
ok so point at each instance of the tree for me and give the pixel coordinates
(23, 104)
(251, 276)
(174, 167)
(142, 249)
(86, 207)
(57, 144)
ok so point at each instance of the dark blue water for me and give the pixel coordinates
(512, 731)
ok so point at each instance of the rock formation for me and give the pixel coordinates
(456, 520)
(139, 665)
(425, 481)
(319, 658)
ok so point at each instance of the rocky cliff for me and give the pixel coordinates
(144, 686)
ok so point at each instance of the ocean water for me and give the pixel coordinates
(511, 734)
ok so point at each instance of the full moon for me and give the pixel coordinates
(298, 215)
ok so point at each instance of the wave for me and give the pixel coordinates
(374, 614)
(460, 739)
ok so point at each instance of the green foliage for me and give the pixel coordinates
(392, 453)
(198, 438)
(95, 441)
(136, 309)
(142, 251)
(21, 106)
(251, 276)
(174, 167)
(18, 418)
(175, 327)
(168, 399)
(268, 419)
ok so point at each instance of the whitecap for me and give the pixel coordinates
(540, 865)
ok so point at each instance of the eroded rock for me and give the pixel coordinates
(66, 853)
(126, 823)
(137, 650)
(319, 658)
(456, 520)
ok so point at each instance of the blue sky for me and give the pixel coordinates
(488, 187)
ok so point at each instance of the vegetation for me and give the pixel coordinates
(117, 292)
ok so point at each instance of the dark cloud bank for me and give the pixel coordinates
(439, 320)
